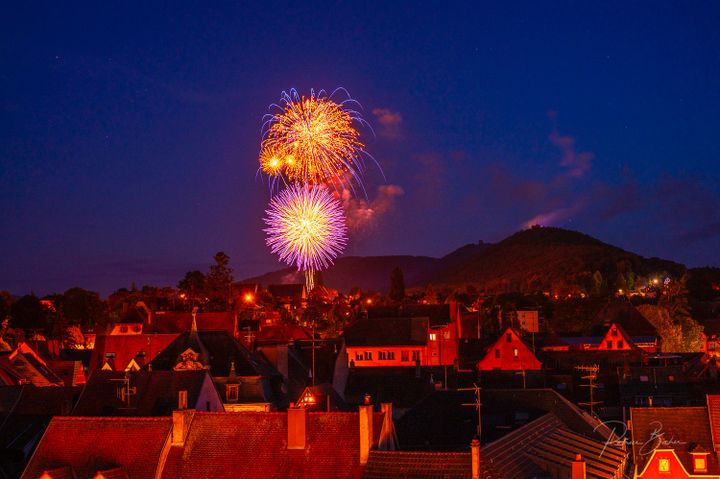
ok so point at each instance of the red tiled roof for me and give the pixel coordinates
(254, 445)
(92, 444)
(281, 333)
(181, 321)
(679, 428)
(423, 465)
(127, 347)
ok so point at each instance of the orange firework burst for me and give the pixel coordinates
(312, 140)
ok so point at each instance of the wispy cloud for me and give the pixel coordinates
(389, 122)
(578, 163)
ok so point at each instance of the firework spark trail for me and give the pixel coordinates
(313, 141)
(306, 227)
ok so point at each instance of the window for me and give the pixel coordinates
(368, 355)
(508, 337)
(182, 399)
(416, 355)
(110, 355)
(123, 329)
(671, 378)
(404, 356)
(497, 354)
(391, 355)
(609, 344)
(433, 336)
(358, 357)
(643, 379)
(664, 465)
(446, 335)
(382, 355)
(620, 344)
(613, 333)
(699, 464)
(516, 353)
(231, 392)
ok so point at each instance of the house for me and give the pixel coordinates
(509, 353)
(24, 366)
(221, 354)
(404, 341)
(673, 442)
(147, 393)
(196, 445)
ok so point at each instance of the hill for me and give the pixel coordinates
(536, 259)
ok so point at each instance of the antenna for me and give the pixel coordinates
(590, 373)
(124, 391)
(477, 405)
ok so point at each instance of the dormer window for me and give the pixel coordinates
(663, 465)
(433, 336)
(699, 463)
(231, 392)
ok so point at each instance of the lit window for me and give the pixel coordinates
(231, 391)
(664, 465)
(516, 353)
(671, 378)
(110, 355)
(643, 379)
(433, 337)
(700, 464)
(446, 335)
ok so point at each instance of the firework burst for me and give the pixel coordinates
(313, 140)
(306, 227)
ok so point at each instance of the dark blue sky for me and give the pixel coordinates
(129, 132)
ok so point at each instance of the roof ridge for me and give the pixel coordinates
(115, 418)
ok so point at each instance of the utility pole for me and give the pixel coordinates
(590, 373)
(477, 405)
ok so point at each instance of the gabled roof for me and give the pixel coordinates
(156, 392)
(222, 349)
(501, 355)
(32, 367)
(90, 444)
(387, 332)
(254, 445)
(679, 428)
(139, 347)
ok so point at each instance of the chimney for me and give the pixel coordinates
(366, 431)
(578, 468)
(475, 456)
(388, 437)
(296, 428)
(181, 425)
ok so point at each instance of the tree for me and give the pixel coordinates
(192, 285)
(397, 285)
(218, 282)
(28, 313)
(82, 307)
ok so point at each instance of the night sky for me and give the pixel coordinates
(129, 133)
